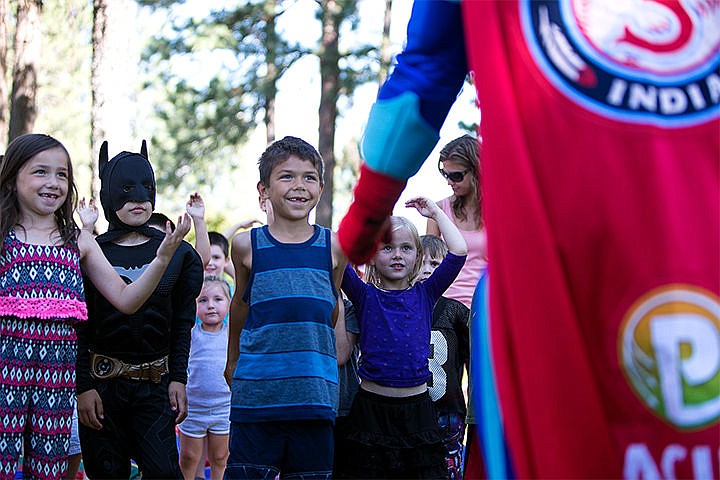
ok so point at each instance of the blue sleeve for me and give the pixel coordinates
(444, 275)
(352, 285)
(433, 64)
(404, 123)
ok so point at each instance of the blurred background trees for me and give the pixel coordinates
(201, 81)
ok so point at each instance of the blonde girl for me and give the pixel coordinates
(392, 426)
(42, 298)
(207, 392)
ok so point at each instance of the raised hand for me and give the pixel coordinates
(88, 214)
(425, 207)
(173, 238)
(195, 206)
(245, 224)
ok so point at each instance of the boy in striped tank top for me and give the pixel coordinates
(282, 365)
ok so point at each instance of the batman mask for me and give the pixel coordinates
(127, 177)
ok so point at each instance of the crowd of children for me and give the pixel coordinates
(158, 366)
(600, 184)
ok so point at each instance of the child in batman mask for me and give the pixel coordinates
(132, 369)
(127, 177)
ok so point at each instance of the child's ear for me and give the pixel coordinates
(262, 189)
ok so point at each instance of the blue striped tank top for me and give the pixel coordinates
(287, 368)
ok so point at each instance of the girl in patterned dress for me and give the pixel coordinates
(41, 298)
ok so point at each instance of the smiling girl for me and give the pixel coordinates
(42, 301)
(393, 428)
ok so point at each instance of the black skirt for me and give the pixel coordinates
(391, 437)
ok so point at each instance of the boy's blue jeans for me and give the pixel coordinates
(300, 450)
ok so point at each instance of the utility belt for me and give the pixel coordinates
(103, 367)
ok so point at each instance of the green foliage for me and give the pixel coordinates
(63, 97)
(201, 127)
(216, 72)
(204, 119)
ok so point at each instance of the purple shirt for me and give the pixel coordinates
(395, 325)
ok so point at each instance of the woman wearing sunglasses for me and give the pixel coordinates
(459, 165)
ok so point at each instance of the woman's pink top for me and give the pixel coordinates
(463, 287)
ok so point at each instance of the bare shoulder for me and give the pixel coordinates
(339, 258)
(241, 251)
(446, 200)
(242, 241)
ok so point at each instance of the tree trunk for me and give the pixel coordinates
(98, 122)
(385, 51)
(4, 107)
(270, 108)
(23, 108)
(272, 72)
(329, 81)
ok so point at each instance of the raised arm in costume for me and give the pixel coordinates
(405, 122)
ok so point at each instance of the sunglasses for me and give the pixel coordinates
(455, 177)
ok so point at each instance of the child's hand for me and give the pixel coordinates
(228, 373)
(88, 214)
(178, 401)
(245, 224)
(90, 409)
(173, 238)
(195, 207)
(425, 207)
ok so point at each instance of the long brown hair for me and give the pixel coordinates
(18, 153)
(466, 150)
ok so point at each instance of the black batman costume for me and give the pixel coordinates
(131, 359)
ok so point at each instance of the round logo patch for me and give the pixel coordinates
(103, 367)
(639, 61)
(669, 350)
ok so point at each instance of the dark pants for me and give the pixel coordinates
(344, 451)
(138, 424)
(301, 450)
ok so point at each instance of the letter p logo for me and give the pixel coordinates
(669, 349)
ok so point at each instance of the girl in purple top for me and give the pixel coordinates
(393, 428)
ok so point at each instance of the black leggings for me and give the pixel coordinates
(138, 424)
